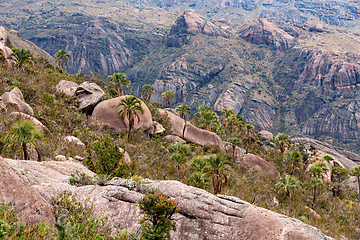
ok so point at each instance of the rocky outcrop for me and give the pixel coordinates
(174, 139)
(324, 149)
(192, 134)
(330, 69)
(265, 32)
(106, 113)
(13, 102)
(67, 87)
(191, 23)
(17, 92)
(202, 215)
(88, 95)
(234, 96)
(260, 113)
(266, 135)
(251, 161)
(74, 140)
(30, 206)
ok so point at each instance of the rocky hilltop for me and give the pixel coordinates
(202, 215)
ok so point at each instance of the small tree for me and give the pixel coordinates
(281, 141)
(356, 172)
(147, 92)
(233, 142)
(158, 210)
(131, 109)
(249, 132)
(21, 56)
(22, 133)
(287, 186)
(316, 183)
(218, 168)
(294, 159)
(167, 96)
(61, 58)
(184, 112)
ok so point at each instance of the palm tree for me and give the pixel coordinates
(356, 172)
(21, 56)
(249, 131)
(281, 141)
(316, 183)
(167, 96)
(61, 58)
(184, 112)
(199, 164)
(147, 92)
(233, 142)
(318, 169)
(294, 159)
(206, 117)
(180, 159)
(218, 167)
(22, 133)
(120, 82)
(131, 108)
(287, 186)
(199, 180)
(225, 115)
(180, 147)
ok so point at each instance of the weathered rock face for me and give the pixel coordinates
(265, 32)
(202, 215)
(192, 134)
(74, 140)
(17, 92)
(326, 149)
(174, 139)
(31, 207)
(260, 113)
(88, 95)
(192, 23)
(106, 113)
(252, 161)
(265, 135)
(16, 103)
(233, 97)
(66, 87)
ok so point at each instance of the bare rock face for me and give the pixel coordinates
(192, 134)
(260, 113)
(265, 32)
(238, 153)
(326, 149)
(192, 23)
(5, 52)
(126, 157)
(202, 215)
(106, 113)
(66, 87)
(30, 206)
(19, 115)
(174, 139)
(16, 103)
(252, 161)
(17, 92)
(234, 96)
(88, 95)
(74, 140)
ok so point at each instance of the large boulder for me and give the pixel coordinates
(106, 113)
(74, 140)
(202, 215)
(30, 206)
(67, 87)
(174, 139)
(252, 161)
(17, 92)
(266, 135)
(16, 103)
(192, 134)
(88, 95)
(5, 52)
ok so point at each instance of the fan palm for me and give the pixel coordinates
(218, 168)
(22, 133)
(184, 112)
(147, 92)
(294, 159)
(356, 172)
(61, 58)
(316, 183)
(167, 96)
(131, 110)
(225, 115)
(179, 159)
(281, 141)
(21, 56)
(233, 142)
(249, 132)
(199, 180)
(287, 186)
(120, 82)
(206, 117)
(318, 169)
(199, 164)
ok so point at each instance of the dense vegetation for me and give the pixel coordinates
(204, 167)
